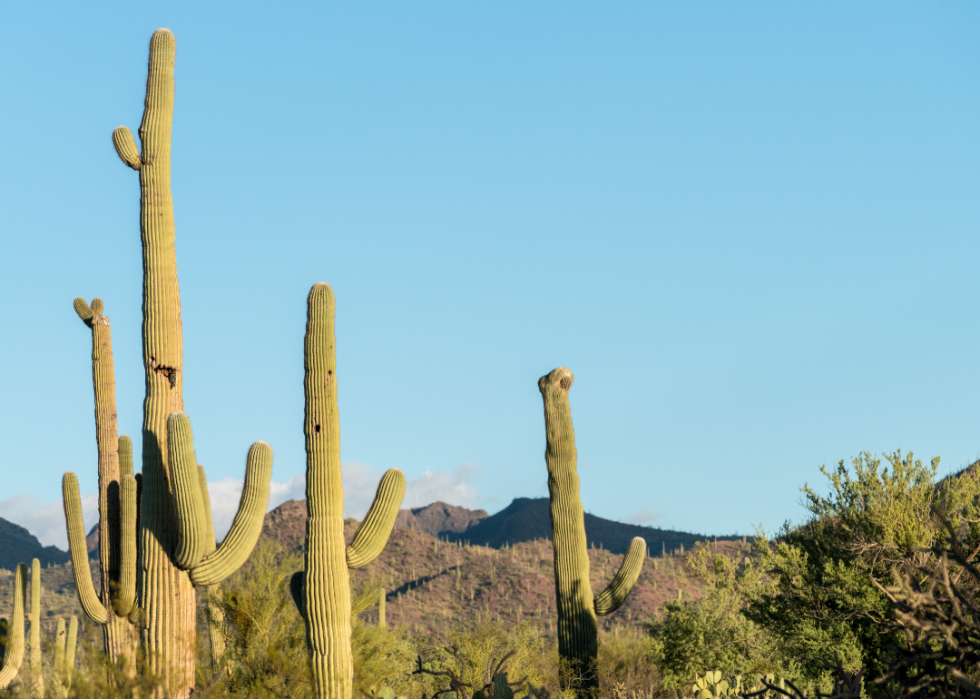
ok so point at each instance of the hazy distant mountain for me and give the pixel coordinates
(527, 519)
(17, 545)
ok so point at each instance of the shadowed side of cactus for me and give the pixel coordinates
(322, 591)
(578, 637)
(172, 548)
(13, 633)
(117, 593)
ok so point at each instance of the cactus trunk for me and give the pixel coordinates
(578, 638)
(323, 592)
(164, 591)
(327, 582)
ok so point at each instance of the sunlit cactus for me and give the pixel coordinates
(114, 601)
(12, 633)
(578, 633)
(166, 546)
(322, 591)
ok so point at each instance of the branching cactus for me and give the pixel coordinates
(170, 547)
(12, 633)
(578, 631)
(322, 592)
(117, 509)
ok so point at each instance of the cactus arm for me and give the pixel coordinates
(296, 581)
(84, 311)
(372, 535)
(37, 678)
(247, 525)
(125, 145)
(60, 639)
(610, 599)
(125, 450)
(71, 642)
(185, 486)
(79, 552)
(13, 657)
(216, 616)
(202, 481)
(124, 590)
(577, 624)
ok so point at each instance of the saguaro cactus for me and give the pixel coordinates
(64, 657)
(577, 608)
(12, 634)
(117, 506)
(323, 591)
(172, 550)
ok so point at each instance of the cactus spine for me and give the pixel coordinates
(13, 636)
(323, 591)
(577, 608)
(117, 552)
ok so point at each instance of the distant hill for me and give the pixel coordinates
(528, 519)
(525, 519)
(288, 521)
(17, 545)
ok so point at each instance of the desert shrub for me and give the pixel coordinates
(628, 665)
(825, 597)
(713, 633)
(266, 655)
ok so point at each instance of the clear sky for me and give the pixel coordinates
(750, 229)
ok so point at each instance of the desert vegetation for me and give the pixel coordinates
(875, 594)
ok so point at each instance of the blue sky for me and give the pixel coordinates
(749, 229)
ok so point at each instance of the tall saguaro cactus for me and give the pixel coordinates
(12, 633)
(322, 592)
(578, 631)
(117, 506)
(172, 550)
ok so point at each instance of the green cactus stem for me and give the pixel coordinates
(323, 591)
(13, 635)
(172, 553)
(64, 657)
(382, 598)
(577, 608)
(216, 616)
(116, 596)
(37, 676)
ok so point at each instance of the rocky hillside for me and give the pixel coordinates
(439, 572)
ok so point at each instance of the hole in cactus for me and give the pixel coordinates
(168, 372)
(316, 429)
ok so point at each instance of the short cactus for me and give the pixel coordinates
(12, 633)
(12, 640)
(322, 591)
(578, 643)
